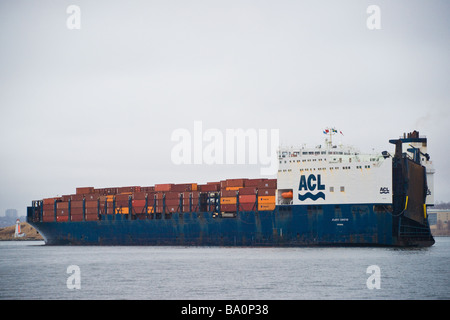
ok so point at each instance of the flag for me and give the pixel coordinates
(334, 130)
(341, 132)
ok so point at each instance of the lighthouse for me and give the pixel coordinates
(18, 233)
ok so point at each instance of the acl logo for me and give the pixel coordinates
(310, 184)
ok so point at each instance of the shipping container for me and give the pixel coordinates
(62, 212)
(75, 211)
(228, 193)
(253, 182)
(50, 200)
(48, 207)
(266, 199)
(172, 202)
(139, 195)
(77, 197)
(90, 197)
(247, 198)
(228, 200)
(247, 190)
(91, 204)
(183, 187)
(209, 187)
(233, 183)
(148, 189)
(172, 195)
(76, 204)
(138, 203)
(163, 187)
(84, 190)
(266, 206)
(122, 197)
(269, 184)
(129, 189)
(91, 211)
(76, 217)
(266, 192)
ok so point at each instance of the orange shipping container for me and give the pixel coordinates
(228, 200)
(266, 206)
(266, 199)
(163, 187)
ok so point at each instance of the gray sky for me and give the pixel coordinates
(97, 106)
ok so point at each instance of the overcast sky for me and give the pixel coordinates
(97, 106)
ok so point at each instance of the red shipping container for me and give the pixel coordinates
(66, 198)
(269, 184)
(248, 198)
(181, 187)
(91, 197)
(128, 189)
(163, 187)
(139, 195)
(138, 203)
(123, 204)
(172, 195)
(91, 204)
(148, 189)
(228, 193)
(62, 212)
(76, 197)
(122, 197)
(172, 202)
(75, 211)
(266, 192)
(228, 208)
(253, 182)
(85, 190)
(76, 217)
(247, 190)
(76, 204)
(209, 187)
(49, 200)
(48, 207)
(62, 205)
(235, 182)
(91, 211)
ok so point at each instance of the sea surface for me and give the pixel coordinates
(31, 270)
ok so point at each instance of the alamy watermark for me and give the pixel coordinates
(374, 280)
(234, 146)
(74, 280)
(74, 19)
(373, 21)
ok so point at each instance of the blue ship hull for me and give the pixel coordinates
(293, 225)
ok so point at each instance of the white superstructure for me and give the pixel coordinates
(333, 174)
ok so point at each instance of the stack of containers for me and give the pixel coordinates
(178, 198)
(266, 194)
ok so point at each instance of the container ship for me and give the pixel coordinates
(329, 195)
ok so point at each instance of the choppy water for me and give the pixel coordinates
(31, 270)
